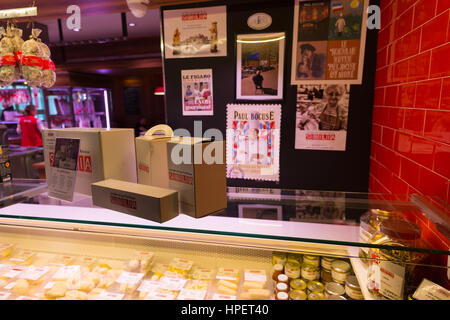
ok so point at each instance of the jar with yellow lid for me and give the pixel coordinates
(352, 288)
(316, 296)
(295, 257)
(298, 284)
(369, 224)
(333, 288)
(297, 295)
(310, 272)
(292, 269)
(340, 269)
(314, 260)
(279, 257)
(391, 273)
(325, 262)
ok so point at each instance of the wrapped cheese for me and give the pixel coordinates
(32, 59)
(8, 61)
(48, 67)
(17, 42)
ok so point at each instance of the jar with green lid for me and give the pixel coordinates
(292, 269)
(392, 274)
(315, 286)
(340, 269)
(316, 296)
(369, 224)
(298, 284)
(297, 295)
(310, 272)
(326, 262)
(314, 260)
(352, 288)
(279, 257)
(333, 288)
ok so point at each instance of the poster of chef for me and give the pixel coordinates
(195, 32)
(321, 117)
(197, 88)
(253, 141)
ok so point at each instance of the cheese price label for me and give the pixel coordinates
(172, 284)
(4, 295)
(14, 272)
(129, 277)
(255, 275)
(149, 286)
(105, 295)
(191, 294)
(34, 273)
(219, 296)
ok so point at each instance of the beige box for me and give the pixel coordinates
(201, 186)
(103, 154)
(152, 203)
(151, 157)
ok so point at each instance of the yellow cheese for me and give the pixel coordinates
(245, 296)
(253, 285)
(21, 287)
(227, 284)
(76, 295)
(58, 289)
(259, 294)
(226, 290)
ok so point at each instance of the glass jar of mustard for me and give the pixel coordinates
(326, 263)
(333, 288)
(314, 260)
(295, 257)
(292, 269)
(282, 296)
(297, 295)
(316, 296)
(282, 278)
(310, 272)
(352, 288)
(279, 257)
(394, 273)
(281, 287)
(369, 224)
(277, 270)
(315, 286)
(339, 270)
(298, 284)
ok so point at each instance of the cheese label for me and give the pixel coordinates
(227, 274)
(34, 273)
(160, 296)
(172, 284)
(106, 295)
(26, 298)
(387, 278)
(203, 274)
(67, 272)
(129, 277)
(22, 256)
(14, 272)
(255, 275)
(191, 294)
(181, 264)
(429, 290)
(149, 286)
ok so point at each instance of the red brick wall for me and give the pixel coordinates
(411, 118)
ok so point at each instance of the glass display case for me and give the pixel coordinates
(321, 245)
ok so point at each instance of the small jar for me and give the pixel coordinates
(325, 262)
(326, 275)
(279, 257)
(292, 269)
(352, 288)
(334, 289)
(282, 278)
(277, 270)
(334, 297)
(298, 284)
(295, 257)
(316, 296)
(315, 286)
(282, 296)
(310, 272)
(314, 260)
(297, 295)
(340, 269)
(281, 287)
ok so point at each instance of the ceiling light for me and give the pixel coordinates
(18, 12)
(76, 29)
(131, 24)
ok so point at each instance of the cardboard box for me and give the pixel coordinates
(103, 154)
(201, 186)
(152, 203)
(151, 157)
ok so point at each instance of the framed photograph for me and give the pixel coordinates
(195, 32)
(259, 66)
(329, 38)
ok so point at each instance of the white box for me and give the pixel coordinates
(103, 154)
(151, 157)
(152, 203)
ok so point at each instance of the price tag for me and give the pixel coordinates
(190, 294)
(34, 273)
(219, 296)
(160, 296)
(14, 272)
(172, 284)
(66, 272)
(129, 277)
(255, 275)
(105, 295)
(149, 286)
(227, 274)
(429, 290)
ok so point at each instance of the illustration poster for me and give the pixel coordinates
(195, 32)
(253, 141)
(63, 169)
(321, 117)
(197, 89)
(259, 66)
(329, 40)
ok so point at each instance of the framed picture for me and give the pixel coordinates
(195, 32)
(329, 39)
(259, 66)
(197, 90)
